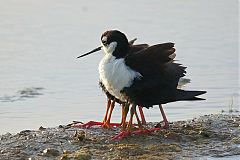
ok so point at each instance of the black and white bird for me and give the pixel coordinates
(111, 100)
(146, 78)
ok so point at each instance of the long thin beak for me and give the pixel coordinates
(95, 50)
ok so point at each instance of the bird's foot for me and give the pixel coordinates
(143, 131)
(163, 125)
(121, 135)
(87, 125)
(94, 123)
(110, 125)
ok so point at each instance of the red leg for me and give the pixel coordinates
(106, 121)
(108, 106)
(141, 129)
(126, 131)
(125, 108)
(142, 115)
(122, 117)
(87, 125)
(166, 124)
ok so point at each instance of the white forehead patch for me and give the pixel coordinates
(104, 38)
(109, 49)
(172, 56)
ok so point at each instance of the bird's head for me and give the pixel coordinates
(113, 42)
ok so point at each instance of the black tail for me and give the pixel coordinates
(189, 95)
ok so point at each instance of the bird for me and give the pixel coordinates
(148, 77)
(111, 100)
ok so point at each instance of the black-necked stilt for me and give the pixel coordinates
(111, 99)
(146, 78)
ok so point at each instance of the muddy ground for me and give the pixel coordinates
(207, 136)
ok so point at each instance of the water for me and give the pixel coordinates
(42, 82)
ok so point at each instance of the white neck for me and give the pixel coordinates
(115, 75)
(109, 49)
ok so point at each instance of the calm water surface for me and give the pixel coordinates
(42, 82)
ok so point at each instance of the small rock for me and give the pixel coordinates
(158, 125)
(24, 132)
(67, 152)
(41, 128)
(80, 155)
(187, 126)
(236, 140)
(60, 126)
(173, 136)
(205, 134)
(2, 151)
(50, 152)
(80, 136)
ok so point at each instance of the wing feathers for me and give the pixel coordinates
(151, 60)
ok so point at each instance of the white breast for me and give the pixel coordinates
(115, 75)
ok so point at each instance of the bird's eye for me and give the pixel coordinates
(104, 42)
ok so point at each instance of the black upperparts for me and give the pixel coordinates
(156, 90)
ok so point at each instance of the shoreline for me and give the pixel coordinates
(214, 135)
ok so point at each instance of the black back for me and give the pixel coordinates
(160, 77)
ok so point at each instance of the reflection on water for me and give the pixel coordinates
(40, 40)
(22, 94)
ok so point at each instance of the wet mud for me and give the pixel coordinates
(207, 136)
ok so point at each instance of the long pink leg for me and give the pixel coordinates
(106, 121)
(141, 130)
(129, 130)
(142, 115)
(107, 124)
(126, 130)
(166, 124)
(108, 106)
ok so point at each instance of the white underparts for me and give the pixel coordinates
(115, 75)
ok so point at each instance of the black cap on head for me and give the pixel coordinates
(119, 37)
(110, 36)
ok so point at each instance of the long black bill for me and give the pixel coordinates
(95, 50)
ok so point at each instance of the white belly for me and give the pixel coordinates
(115, 75)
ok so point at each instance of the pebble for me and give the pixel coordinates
(50, 152)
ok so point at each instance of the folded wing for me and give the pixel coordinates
(157, 60)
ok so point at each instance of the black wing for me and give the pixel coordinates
(157, 59)
(160, 77)
(151, 58)
(137, 47)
